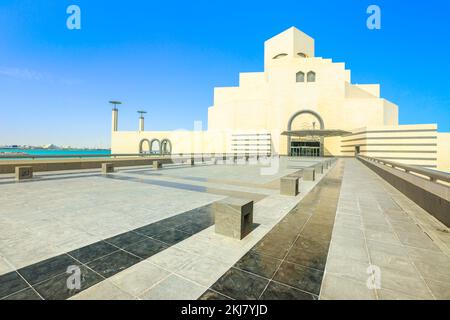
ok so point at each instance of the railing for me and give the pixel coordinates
(119, 155)
(431, 175)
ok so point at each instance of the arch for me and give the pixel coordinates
(141, 145)
(311, 77)
(158, 151)
(300, 76)
(166, 146)
(298, 113)
(281, 55)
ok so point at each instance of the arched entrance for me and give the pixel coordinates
(155, 146)
(166, 146)
(306, 146)
(141, 146)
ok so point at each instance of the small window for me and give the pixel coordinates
(279, 56)
(300, 77)
(311, 76)
(301, 54)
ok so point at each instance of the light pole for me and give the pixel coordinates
(115, 114)
(115, 104)
(141, 119)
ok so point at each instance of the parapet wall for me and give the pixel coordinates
(430, 196)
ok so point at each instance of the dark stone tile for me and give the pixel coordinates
(309, 253)
(175, 221)
(300, 277)
(57, 288)
(11, 283)
(317, 231)
(47, 269)
(125, 239)
(151, 229)
(193, 228)
(171, 236)
(212, 295)
(259, 264)
(113, 263)
(93, 251)
(272, 248)
(146, 248)
(240, 285)
(26, 294)
(278, 291)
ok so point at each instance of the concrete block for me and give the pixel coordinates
(24, 173)
(309, 174)
(107, 168)
(233, 217)
(289, 186)
(157, 165)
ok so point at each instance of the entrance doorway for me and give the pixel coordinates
(357, 150)
(305, 149)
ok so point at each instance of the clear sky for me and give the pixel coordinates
(167, 56)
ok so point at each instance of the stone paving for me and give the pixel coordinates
(371, 225)
(376, 227)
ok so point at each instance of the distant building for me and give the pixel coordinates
(300, 105)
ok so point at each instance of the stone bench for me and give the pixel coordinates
(289, 185)
(309, 174)
(318, 168)
(157, 165)
(24, 173)
(233, 217)
(107, 168)
(297, 174)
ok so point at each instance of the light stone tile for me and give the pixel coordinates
(203, 271)
(400, 263)
(355, 252)
(428, 256)
(347, 232)
(434, 271)
(5, 267)
(382, 236)
(174, 288)
(172, 259)
(347, 268)
(104, 290)
(440, 290)
(384, 294)
(406, 283)
(338, 288)
(139, 278)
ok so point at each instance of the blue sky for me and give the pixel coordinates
(166, 57)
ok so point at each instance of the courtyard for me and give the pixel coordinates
(141, 233)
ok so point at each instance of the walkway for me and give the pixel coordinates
(379, 231)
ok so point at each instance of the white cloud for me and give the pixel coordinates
(33, 75)
(24, 74)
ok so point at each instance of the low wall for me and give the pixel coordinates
(431, 196)
(78, 164)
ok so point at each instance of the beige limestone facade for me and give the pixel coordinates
(300, 105)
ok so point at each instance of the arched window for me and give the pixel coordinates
(279, 56)
(301, 54)
(300, 76)
(311, 76)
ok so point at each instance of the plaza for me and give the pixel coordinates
(145, 233)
